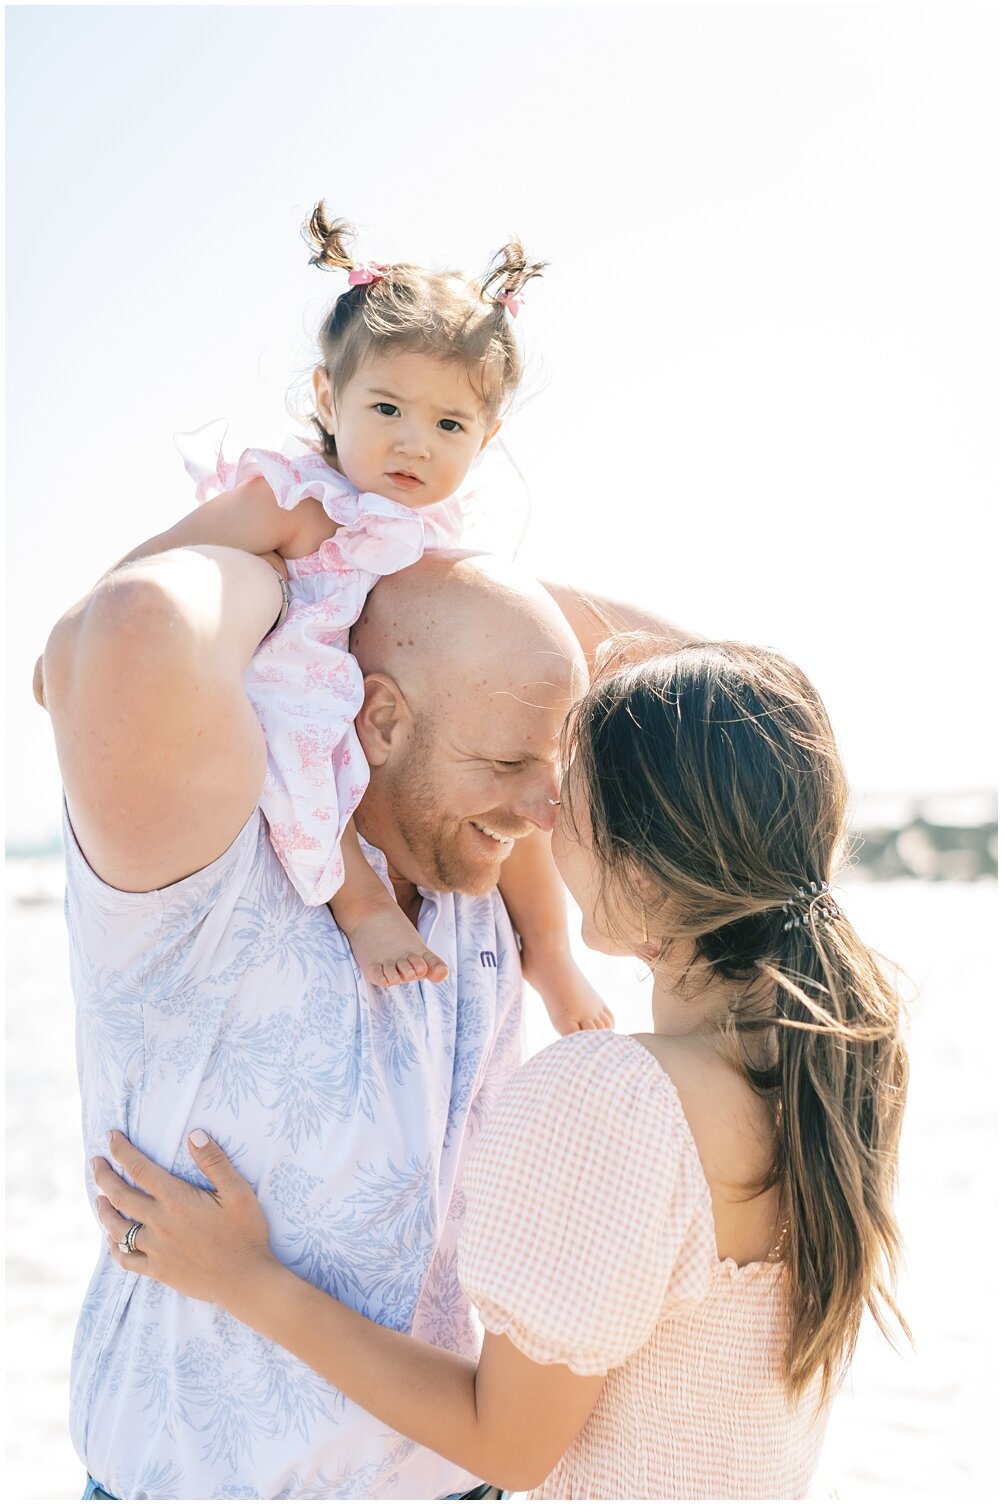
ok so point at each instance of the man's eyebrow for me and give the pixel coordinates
(395, 397)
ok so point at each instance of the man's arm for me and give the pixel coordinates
(160, 752)
(594, 618)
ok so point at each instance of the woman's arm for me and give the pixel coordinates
(505, 1419)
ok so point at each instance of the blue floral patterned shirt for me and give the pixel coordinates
(223, 1002)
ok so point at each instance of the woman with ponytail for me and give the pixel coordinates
(671, 1237)
(416, 370)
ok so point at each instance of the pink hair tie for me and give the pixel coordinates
(512, 301)
(366, 271)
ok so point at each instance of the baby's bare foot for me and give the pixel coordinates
(573, 1003)
(390, 951)
(566, 1020)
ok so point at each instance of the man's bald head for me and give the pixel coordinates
(460, 617)
(470, 670)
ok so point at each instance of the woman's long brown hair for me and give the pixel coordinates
(715, 791)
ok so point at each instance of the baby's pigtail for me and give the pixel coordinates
(330, 239)
(510, 271)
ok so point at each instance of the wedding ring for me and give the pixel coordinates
(127, 1244)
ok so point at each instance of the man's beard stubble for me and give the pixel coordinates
(431, 834)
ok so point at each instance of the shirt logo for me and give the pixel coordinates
(488, 959)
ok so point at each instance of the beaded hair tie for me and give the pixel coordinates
(800, 906)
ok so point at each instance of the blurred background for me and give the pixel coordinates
(762, 378)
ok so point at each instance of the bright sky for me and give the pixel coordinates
(763, 364)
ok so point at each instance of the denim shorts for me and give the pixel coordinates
(95, 1492)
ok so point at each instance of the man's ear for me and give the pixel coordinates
(384, 718)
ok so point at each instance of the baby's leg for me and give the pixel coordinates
(534, 896)
(385, 943)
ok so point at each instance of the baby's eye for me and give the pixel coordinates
(451, 425)
(388, 409)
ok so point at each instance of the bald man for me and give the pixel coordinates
(209, 996)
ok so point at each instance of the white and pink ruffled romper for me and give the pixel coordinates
(303, 683)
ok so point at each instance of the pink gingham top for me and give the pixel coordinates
(589, 1241)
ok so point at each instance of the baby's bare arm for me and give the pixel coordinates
(247, 518)
(535, 898)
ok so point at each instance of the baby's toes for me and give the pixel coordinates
(413, 966)
(378, 975)
(435, 967)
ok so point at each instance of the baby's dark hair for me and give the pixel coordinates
(406, 308)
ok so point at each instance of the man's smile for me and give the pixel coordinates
(496, 836)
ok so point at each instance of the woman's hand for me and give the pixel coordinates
(210, 1245)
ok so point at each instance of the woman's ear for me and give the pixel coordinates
(384, 718)
(324, 398)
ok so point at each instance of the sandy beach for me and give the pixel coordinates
(915, 1426)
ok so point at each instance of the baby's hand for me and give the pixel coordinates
(573, 1003)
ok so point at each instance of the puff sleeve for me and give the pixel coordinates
(588, 1217)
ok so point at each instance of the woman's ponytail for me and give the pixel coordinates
(839, 1083)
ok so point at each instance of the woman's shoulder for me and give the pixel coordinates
(594, 1056)
(732, 1129)
(597, 1083)
(586, 1207)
